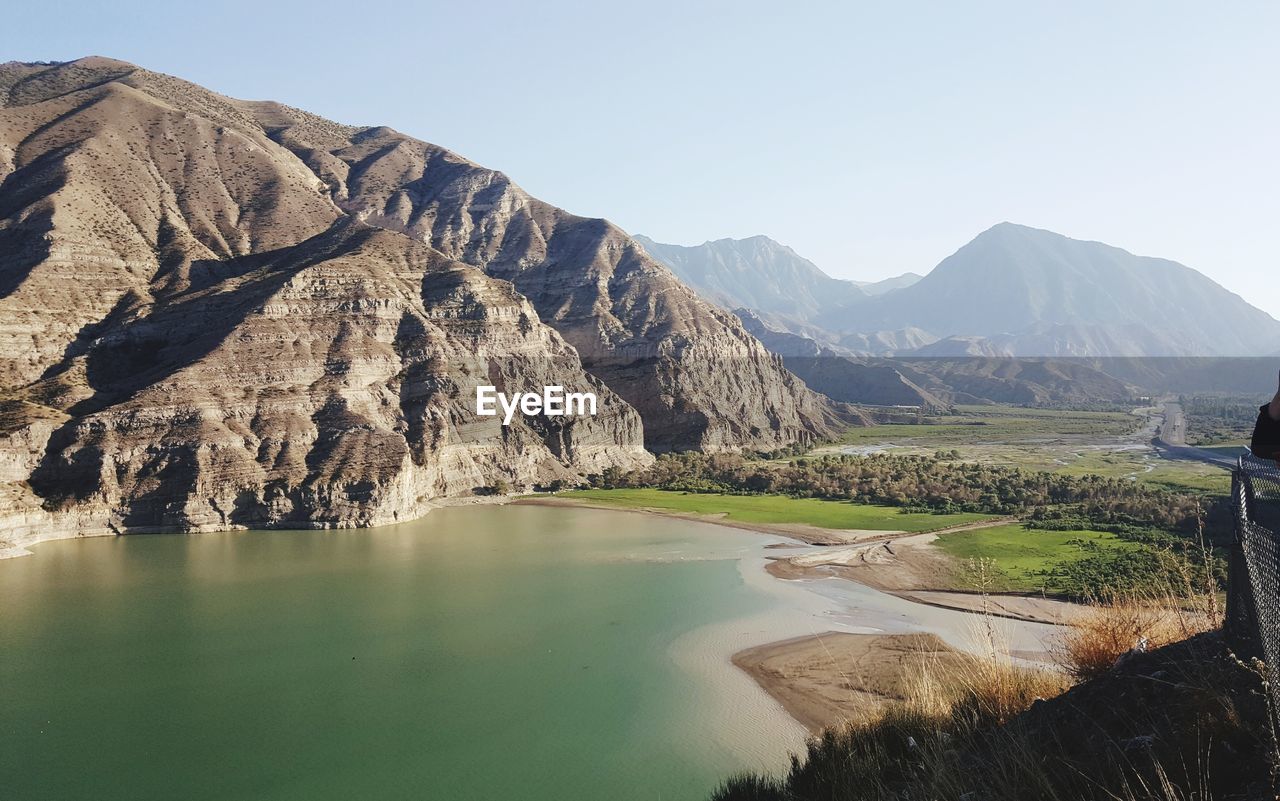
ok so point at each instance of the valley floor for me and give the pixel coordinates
(1107, 443)
(828, 678)
(990, 566)
(906, 554)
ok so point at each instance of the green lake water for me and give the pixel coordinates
(509, 652)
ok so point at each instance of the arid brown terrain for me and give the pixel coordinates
(219, 313)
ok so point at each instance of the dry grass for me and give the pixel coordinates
(909, 742)
(1124, 623)
(991, 693)
(1121, 625)
(993, 687)
(1160, 728)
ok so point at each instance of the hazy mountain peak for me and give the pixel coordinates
(889, 284)
(1013, 282)
(756, 240)
(755, 273)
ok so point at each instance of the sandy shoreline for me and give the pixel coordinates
(898, 562)
(829, 678)
(836, 677)
(911, 568)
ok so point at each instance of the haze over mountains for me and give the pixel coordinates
(217, 312)
(757, 273)
(888, 284)
(1012, 291)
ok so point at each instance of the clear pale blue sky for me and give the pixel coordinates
(873, 138)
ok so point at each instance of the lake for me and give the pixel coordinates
(494, 652)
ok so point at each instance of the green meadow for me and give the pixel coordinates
(1016, 557)
(1062, 441)
(776, 509)
(991, 424)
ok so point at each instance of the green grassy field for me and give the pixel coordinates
(1017, 554)
(979, 424)
(1112, 464)
(1070, 442)
(1196, 476)
(1147, 468)
(776, 509)
(1234, 448)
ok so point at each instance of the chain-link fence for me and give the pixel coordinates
(1253, 596)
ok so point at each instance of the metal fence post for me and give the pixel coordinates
(1241, 629)
(1253, 594)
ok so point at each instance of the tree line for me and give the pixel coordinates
(932, 483)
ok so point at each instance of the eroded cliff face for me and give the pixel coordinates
(699, 380)
(217, 313)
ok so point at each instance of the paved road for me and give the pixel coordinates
(1171, 439)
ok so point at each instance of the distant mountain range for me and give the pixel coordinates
(888, 284)
(1018, 315)
(757, 273)
(938, 382)
(1012, 291)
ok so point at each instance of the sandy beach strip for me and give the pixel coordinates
(912, 568)
(834, 678)
(903, 563)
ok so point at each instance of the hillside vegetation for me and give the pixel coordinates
(1079, 536)
(1184, 722)
(923, 483)
(780, 509)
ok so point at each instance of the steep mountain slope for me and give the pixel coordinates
(1038, 293)
(841, 374)
(886, 343)
(1024, 381)
(264, 399)
(216, 313)
(784, 342)
(756, 273)
(696, 377)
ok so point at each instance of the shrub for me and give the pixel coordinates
(1095, 642)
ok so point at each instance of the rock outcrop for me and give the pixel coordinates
(698, 379)
(217, 313)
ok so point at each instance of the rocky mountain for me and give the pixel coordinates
(1029, 292)
(757, 273)
(885, 343)
(1016, 315)
(1020, 381)
(1012, 291)
(220, 313)
(785, 292)
(783, 342)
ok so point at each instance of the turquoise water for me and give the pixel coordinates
(484, 653)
